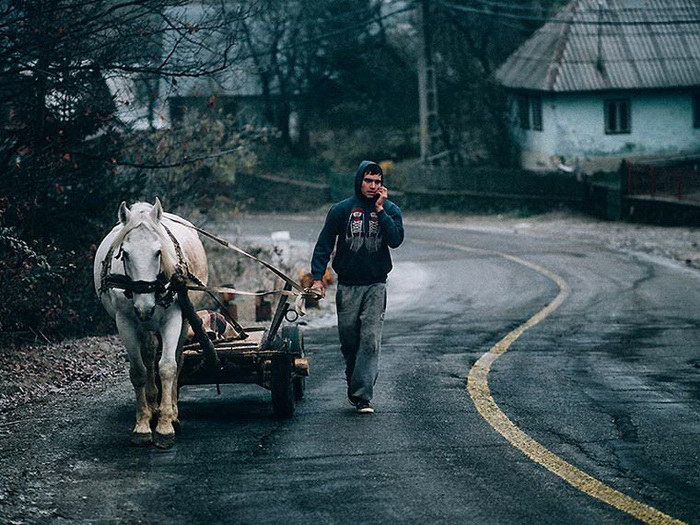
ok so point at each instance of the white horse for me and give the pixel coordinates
(133, 266)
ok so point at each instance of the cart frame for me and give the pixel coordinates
(269, 357)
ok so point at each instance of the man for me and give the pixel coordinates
(361, 229)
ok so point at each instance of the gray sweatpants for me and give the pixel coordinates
(360, 320)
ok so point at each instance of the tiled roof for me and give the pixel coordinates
(612, 44)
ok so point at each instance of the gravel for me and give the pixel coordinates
(35, 373)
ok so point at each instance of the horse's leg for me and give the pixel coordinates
(148, 351)
(167, 368)
(179, 357)
(141, 434)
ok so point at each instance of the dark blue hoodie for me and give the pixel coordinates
(361, 238)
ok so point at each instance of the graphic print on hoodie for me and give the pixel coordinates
(363, 231)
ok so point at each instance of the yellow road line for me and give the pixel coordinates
(478, 387)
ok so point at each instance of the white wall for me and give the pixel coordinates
(574, 130)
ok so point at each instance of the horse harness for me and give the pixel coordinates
(165, 288)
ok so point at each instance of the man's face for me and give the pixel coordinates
(371, 184)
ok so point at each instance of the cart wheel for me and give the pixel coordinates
(296, 347)
(283, 398)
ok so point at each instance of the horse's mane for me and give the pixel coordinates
(141, 218)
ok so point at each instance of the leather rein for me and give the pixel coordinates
(164, 287)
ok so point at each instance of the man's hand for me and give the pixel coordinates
(383, 193)
(319, 288)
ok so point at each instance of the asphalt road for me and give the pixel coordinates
(605, 384)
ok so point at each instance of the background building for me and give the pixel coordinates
(605, 81)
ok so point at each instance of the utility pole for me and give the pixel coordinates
(427, 88)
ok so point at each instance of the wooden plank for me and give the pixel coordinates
(254, 338)
(252, 343)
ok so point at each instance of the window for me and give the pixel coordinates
(530, 112)
(523, 112)
(536, 111)
(696, 110)
(617, 116)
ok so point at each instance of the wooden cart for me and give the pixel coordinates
(270, 357)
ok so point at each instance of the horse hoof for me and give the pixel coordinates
(164, 441)
(177, 425)
(141, 439)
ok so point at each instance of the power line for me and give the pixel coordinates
(535, 9)
(331, 34)
(563, 19)
(346, 14)
(340, 16)
(515, 7)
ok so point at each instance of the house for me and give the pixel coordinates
(157, 101)
(606, 80)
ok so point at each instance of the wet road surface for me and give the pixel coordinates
(608, 382)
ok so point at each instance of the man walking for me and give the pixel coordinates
(361, 229)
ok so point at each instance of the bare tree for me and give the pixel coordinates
(64, 65)
(313, 56)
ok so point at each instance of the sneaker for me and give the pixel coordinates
(364, 407)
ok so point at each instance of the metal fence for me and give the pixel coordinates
(680, 183)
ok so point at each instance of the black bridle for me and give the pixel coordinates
(130, 287)
(164, 287)
(161, 287)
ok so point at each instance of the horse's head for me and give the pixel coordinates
(142, 251)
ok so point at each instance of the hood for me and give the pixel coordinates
(360, 173)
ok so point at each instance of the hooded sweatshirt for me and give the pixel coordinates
(361, 237)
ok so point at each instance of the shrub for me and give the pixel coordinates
(25, 276)
(194, 163)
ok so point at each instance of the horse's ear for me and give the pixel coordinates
(157, 211)
(124, 213)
